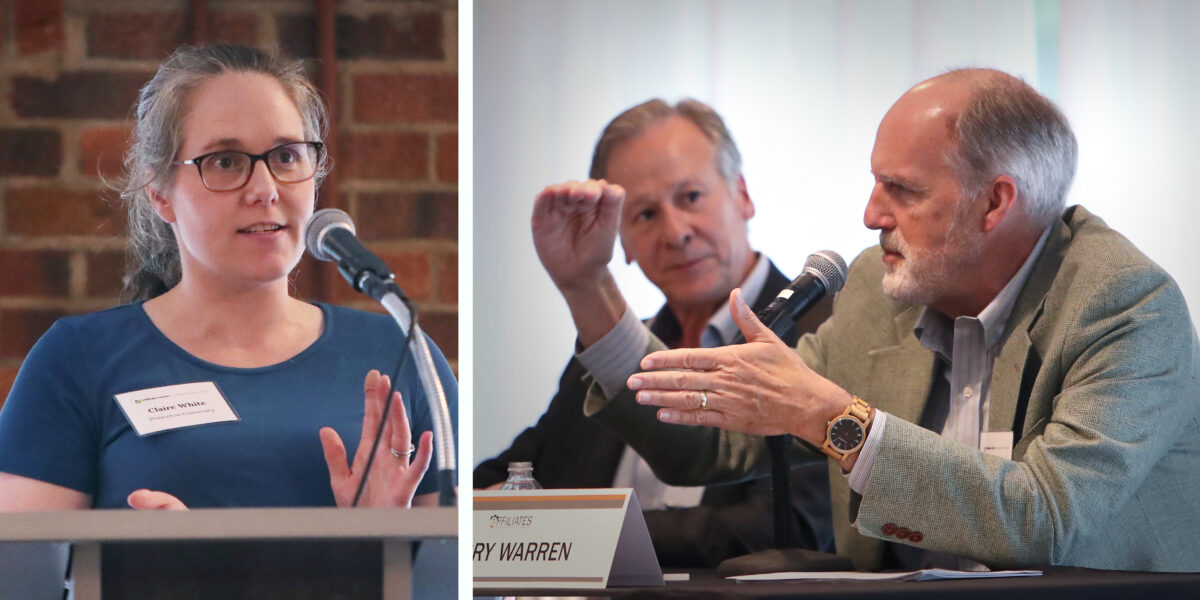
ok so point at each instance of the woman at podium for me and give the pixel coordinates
(216, 386)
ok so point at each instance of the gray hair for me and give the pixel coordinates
(1009, 128)
(630, 124)
(161, 107)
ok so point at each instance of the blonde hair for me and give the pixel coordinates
(633, 121)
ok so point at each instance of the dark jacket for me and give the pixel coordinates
(569, 450)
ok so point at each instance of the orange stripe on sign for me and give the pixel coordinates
(576, 498)
(539, 579)
(550, 502)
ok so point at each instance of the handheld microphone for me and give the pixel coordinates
(330, 236)
(824, 273)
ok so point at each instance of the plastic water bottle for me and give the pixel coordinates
(520, 477)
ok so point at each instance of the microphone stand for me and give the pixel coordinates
(387, 293)
(781, 495)
(785, 556)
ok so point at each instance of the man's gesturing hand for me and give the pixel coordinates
(574, 230)
(761, 387)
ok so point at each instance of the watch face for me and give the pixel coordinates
(845, 434)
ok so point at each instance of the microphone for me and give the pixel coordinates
(824, 273)
(329, 235)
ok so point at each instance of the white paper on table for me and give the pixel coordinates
(922, 575)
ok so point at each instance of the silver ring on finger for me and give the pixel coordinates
(399, 454)
(703, 400)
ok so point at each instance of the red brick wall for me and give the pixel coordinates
(69, 73)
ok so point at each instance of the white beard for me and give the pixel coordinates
(924, 276)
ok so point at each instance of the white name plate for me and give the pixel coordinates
(154, 410)
(585, 539)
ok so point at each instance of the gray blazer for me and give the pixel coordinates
(1097, 378)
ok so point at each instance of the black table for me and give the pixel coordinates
(1056, 582)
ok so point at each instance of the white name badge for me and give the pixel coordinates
(159, 409)
(997, 443)
(585, 539)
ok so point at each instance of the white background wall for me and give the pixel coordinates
(802, 86)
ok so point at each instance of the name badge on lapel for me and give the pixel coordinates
(155, 410)
(997, 443)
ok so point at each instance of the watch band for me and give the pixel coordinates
(858, 410)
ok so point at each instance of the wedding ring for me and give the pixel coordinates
(703, 400)
(399, 454)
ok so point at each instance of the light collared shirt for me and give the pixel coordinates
(721, 328)
(968, 345)
(614, 357)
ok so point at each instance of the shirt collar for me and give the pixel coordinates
(995, 315)
(720, 328)
(936, 330)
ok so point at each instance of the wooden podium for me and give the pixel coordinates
(238, 552)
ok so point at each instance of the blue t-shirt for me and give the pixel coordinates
(61, 423)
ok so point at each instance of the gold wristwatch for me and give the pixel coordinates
(846, 433)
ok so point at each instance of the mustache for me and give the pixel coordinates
(893, 241)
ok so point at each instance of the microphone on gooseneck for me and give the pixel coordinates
(330, 236)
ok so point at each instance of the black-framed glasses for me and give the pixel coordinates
(228, 170)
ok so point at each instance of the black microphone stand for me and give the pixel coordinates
(785, 556)
(826, 269)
